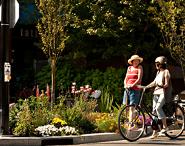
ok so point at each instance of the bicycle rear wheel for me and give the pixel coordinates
(126, 120)
(175, 123)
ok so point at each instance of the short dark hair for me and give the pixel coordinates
(163, 66)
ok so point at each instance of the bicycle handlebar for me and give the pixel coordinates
(144, 87)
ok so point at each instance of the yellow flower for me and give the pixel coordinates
(123, 126)
(112, 123)
(57, 120)
(103, 121)
(97, 120)
(138, 121)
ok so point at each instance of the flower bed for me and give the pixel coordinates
(34, 117)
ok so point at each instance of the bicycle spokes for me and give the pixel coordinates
(175, 123)
(130, 124)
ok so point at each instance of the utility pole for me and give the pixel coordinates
(4, 57)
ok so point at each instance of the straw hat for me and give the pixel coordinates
(133, 58)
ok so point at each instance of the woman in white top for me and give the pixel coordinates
(162, 79)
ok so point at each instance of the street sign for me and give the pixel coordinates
(7, 72)
(14, 13)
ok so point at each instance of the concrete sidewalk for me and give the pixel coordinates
(61, 140)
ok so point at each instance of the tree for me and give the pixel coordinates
(29, 9)
(125, 28)
(52, 29)
(170, 18)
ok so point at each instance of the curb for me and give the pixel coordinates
(62, 140)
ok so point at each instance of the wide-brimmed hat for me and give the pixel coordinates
(133, 58)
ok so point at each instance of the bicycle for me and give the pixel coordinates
(26, 92)
(174, 119)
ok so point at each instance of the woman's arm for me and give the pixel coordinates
(125, 84)
(152, 83)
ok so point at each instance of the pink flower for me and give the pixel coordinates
(85, 90)
(79, 91)
(76, 92)
(96, 91)
(86, 86)
(73, 87)
(85, 96)
(72, 91)
(74, 83)
(88, 89)
(91, 103)
(92, 93)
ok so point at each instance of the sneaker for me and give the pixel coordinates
(153, 136)
(163, 131)
(161, 134)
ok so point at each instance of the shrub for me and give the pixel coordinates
(107, 123)
(97, 79)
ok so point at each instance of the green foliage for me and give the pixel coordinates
(106, 123)
(148, 99)
(32, 15)
(114, 80)
(117, 109)
(51, 26)
(170, 16)
(27, 115)
(30, 114)
(106, 101)
(86, 126)
(115, 30)
(13, 116)
(24, 125)
(75, 116)
(97, 79)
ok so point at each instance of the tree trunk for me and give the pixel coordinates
(183, 69)
(53, 66)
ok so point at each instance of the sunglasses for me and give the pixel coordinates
(157, 64)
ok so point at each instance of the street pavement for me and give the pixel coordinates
(145, 141)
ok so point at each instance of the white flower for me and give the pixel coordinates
(47, 130)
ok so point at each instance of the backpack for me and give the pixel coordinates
(168, 90)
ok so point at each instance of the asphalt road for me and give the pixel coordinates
(159, 141)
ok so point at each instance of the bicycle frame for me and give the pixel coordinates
(144, 108)
(141, 105)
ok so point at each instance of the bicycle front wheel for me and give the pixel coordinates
(175, 123)
(131, 116)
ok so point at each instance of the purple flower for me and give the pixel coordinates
(148, 121)
(11, 104)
